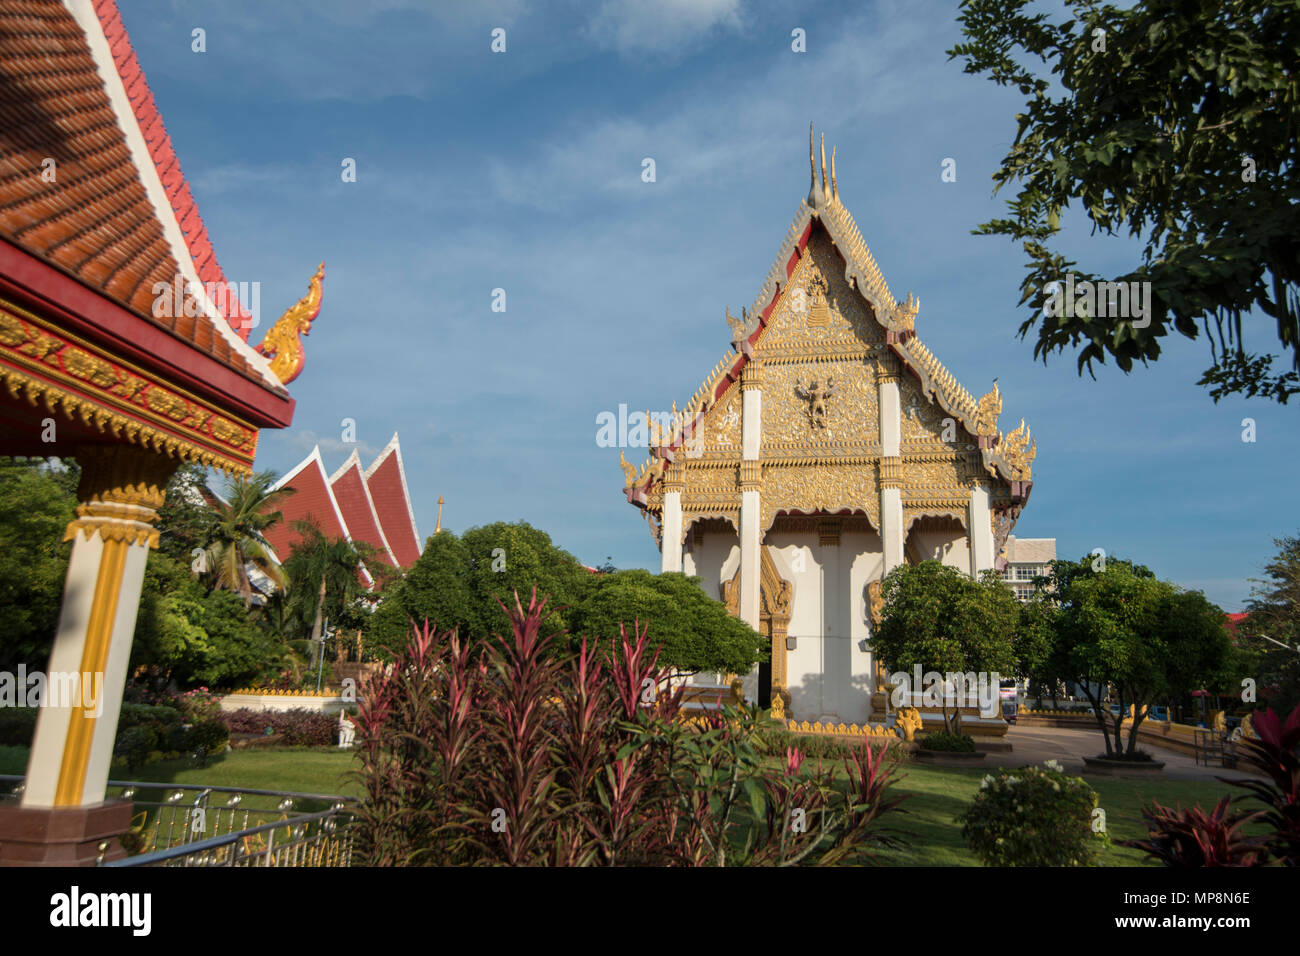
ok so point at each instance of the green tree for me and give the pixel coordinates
(188, 635)
(1173, 121)
(324, 581)
(185, 521)
(37, 502)
(502, 559)
(238, 534)
(435, 589)
(1274, 609)
(1119, 627)
(694, 631)
(943, 620)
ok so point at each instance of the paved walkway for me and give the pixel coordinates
(1033, 745)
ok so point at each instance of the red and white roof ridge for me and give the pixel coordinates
(160, 171)
(354, 462)
(314, 459)
(394, 448)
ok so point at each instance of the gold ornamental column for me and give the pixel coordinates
(121, 490)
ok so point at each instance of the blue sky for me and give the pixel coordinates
(522, 170)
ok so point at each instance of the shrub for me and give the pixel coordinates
(1275, 753)
(298, 728)
(17, 726)
(1034, 816)
(1196, 838)
(209, 736)
(198, 705)
(509, 752)
(948, 743)
(136, 744)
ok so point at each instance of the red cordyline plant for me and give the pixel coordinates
(512, 753)
(1193, 837)
(1275, 753)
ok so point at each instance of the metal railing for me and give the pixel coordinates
(192, 825)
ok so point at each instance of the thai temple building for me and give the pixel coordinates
(828, 446)
(370, 506)
(122, 347)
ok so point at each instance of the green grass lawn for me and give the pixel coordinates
(937, 795)
(934, 796)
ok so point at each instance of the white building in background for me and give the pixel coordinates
(828, 447)
(1027, 558)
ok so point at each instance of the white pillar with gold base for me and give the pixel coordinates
(121, 489)
(981, 531)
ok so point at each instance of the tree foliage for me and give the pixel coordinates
(1274, 609)
(1117, 626)
(1173, 120)
(942, 620)
(693, 631)
(36, 503)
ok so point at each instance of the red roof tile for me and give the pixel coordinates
(95, 220)
(386, 481)
(353, 499)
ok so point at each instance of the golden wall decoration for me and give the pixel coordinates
(828, 488)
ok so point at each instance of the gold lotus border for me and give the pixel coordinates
(151, 427)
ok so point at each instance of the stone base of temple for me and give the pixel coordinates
(63, 836)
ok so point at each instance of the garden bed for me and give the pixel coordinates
(1110, 767)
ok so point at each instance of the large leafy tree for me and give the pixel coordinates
(1118, 627)
(187, 634)
(324, 581)
(238, 534)
(943, 620)
(36, 503)
(505, 558)
(694, 631)
(1274, 609)
(1173, 120)
(435, 589)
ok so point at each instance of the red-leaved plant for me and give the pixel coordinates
(1193, 837)
(512, 752)
(1275, 753)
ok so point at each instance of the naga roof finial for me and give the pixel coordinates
(823, 141)
(283, 342)
(835, 188)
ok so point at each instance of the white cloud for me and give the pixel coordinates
(305, 440)
(660, 26)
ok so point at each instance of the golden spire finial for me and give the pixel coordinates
(812, 163)
(824, 164)
(439, 528)
(835, 188)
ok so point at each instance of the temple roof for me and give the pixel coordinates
(90, 183)
(1007, 456)
(370, 506)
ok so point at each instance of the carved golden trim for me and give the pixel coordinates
(751, 475)
(121, 490)
(751, 376)
(74, 378)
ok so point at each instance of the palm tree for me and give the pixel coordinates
(325, 575)
(238, 537)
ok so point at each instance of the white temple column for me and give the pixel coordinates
(671, 546)
(121, 489)
(751, 532)
(981, 530)
(891, 495)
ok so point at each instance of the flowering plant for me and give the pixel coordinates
(1034, 816)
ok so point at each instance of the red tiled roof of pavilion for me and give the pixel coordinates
(353, 497)
(95, 221)
(166, 161)
(386, 481)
